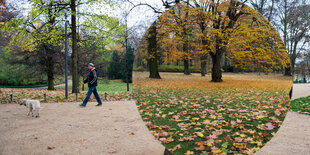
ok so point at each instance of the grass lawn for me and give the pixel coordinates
(191, 115)
(301, 105)
(106, 85)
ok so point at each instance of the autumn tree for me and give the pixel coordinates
(174, 31)
(257, 45)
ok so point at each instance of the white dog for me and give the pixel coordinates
(33, 105)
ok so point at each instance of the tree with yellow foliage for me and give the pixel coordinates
(218, 28)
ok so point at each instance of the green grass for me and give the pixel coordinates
(301, 105)
(106, 85)
(113, 85)
(220, 121)
(175, 68)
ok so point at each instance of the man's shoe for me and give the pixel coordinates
(99, 105)
(81, 105)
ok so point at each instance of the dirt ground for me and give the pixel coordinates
(66, 128)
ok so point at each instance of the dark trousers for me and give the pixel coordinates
(90, 91)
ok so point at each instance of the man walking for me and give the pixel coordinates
(92, 84)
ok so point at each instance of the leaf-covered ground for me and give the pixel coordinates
(57, 95)
(301, 105)
(191, 115)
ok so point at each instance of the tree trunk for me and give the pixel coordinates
(287, 71)
(225, 63)
(50, 73)
(186, 67)
(49, 52)
(216, 68)
(50, 68)
(74, 56)
(152, 49)
(203, 62)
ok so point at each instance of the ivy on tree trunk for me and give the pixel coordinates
(74, 56)
(152, 49)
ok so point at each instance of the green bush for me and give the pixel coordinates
(114, 69)
(175, 68)
(139, 68)
(15, 74)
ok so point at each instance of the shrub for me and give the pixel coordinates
(176, 68)
(139, 68)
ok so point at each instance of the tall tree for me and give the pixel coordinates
(186, 58)
(74, 55)
(298, 32)
(152, 51)
(283, 15)
(223, 20)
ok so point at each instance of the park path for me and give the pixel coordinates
(293, 137)
(65, 128)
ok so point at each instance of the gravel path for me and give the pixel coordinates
(300, 90)
(293, 137)
(65, 128)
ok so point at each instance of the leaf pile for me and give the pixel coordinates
(57, 95)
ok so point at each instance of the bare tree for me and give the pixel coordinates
(293, 25)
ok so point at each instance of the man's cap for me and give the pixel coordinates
(91, 64)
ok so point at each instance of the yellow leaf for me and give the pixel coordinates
(199, 134)
(206, 121)
(189, 152)
(195, 118)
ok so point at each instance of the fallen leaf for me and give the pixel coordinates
(200, 148)
(176, 147)
(199, 134)
(269, 126)
(50, 147)
(189, 152)
(112, 151)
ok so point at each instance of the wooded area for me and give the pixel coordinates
(33, 45)
(214, 36)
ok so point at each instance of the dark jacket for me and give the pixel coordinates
(91, 79)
